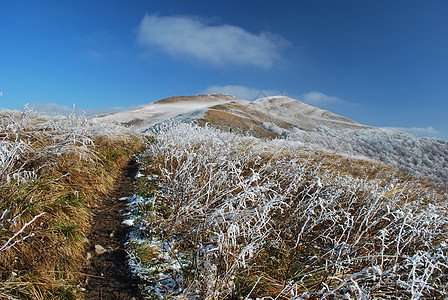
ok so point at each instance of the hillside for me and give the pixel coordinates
(416, 155)
(231, 113)
(146, 116)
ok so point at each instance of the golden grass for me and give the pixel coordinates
(242, 119)
(47, 264)
(227, 121)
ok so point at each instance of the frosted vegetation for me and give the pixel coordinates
(420, 156)
(30, 142)
(51, 172)
(223, 216)
(217, 215)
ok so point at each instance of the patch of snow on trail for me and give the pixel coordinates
(162, 276)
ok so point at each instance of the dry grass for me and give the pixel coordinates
(53, 171)
(243, 120)
(227, 121)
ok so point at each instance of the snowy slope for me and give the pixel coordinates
(145, 116)
(299, 114)
(279, 110)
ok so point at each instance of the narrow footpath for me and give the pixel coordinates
(106, 275)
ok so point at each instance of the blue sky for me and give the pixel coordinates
(381, 63)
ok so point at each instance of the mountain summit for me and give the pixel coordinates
(265, 117)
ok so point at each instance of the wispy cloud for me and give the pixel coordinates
(53, 109)
(238, 91)
(190, 37)
(318, 98)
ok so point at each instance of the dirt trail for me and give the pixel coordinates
(107, 276)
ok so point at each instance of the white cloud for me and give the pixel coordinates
(53, 109)
(185, 36)
(318, 98)
(238, 91)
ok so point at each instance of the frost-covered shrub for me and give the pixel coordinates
(275, 129)
(239, 217)
(416, 155)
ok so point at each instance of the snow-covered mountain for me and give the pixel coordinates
(231, 113)
(298, 123)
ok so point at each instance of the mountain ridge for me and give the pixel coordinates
(227, 112)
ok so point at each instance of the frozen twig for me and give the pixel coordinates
(6, 246)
